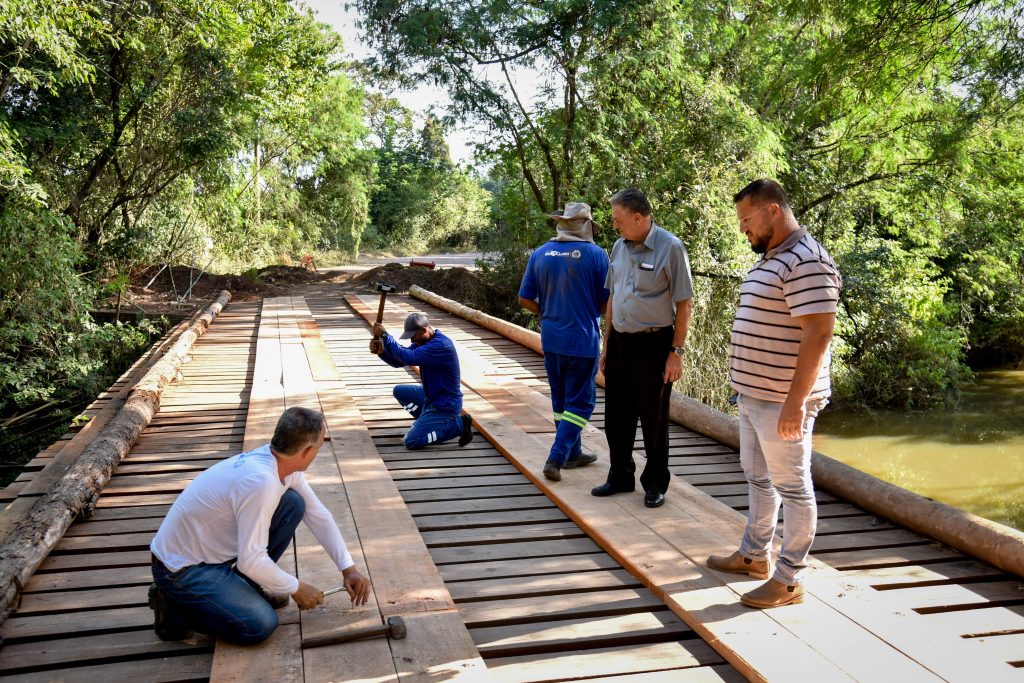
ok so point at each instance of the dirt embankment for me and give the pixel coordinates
(454, 283)
(161, 295)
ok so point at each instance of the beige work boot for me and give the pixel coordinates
(773, 593)
(738, 564)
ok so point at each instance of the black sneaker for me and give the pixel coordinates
(551, 471)
(163, 623)
(579, 461)
(467, 430)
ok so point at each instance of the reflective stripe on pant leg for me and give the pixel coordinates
(580, 422)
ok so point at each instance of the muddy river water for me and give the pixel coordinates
(971, 458)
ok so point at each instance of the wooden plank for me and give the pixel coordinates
(461, 555)
(104, 560)
(520, 532)
(603, 662)
(482, 519)
(188, 667)
(929, 574)
(19, 628)
(281, 654)
(418, 494)
(77, 651)
(94, 578)
(544, 584)
(580, 634)
(526, 567)
(979, 622)
(405, 579)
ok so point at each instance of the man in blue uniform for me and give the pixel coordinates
(564, 283)
(436, 405)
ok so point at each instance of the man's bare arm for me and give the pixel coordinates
(530, 305)
(817, 333)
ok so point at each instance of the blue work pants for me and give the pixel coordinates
(429, 426)
(571, 379)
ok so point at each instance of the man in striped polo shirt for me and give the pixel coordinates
(779, 367)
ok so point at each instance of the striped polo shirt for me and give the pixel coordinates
(796, 278)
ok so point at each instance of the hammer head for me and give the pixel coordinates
(384, 287)
(396, 627)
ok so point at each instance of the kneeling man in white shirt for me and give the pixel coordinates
(215, 555)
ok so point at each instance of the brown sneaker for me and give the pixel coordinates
(738, 564)
(773, 593)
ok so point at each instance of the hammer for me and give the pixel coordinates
(394, 628)
(383, 288)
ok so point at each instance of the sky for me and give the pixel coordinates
(421, 100)
(424, 98)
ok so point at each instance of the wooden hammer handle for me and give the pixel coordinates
(344, 636)
(380, 308)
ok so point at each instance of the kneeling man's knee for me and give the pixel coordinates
(415, 443)
(257, 626)
(294, 502)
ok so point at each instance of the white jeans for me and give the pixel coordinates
(777, 472)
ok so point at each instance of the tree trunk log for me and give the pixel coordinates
(990, 541)
(76, 492)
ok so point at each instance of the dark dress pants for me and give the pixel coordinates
(634, 368)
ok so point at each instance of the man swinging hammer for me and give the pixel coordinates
(436, 405)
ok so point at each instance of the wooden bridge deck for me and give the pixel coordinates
(549, 583)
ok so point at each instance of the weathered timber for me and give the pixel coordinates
(75, 493)
(987, 540)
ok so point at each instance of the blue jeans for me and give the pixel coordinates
(777, 472)
(218, 599)
(571, 379)
(430, 426)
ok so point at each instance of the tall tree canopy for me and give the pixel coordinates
(895, 127)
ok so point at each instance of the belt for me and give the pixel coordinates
(649, 330)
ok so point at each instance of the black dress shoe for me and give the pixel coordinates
(607, 489)
(653, 499)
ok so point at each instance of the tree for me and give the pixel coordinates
(889, 123)
(421, 199)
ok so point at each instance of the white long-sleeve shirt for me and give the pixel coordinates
(224, 514)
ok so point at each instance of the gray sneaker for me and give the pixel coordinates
(552, 471)
(579, 461)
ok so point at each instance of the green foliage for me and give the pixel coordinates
(50, 349)
(421, 200)
(894, 126)
(896, 345)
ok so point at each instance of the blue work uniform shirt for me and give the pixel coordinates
(567, 280)
(439, 369)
